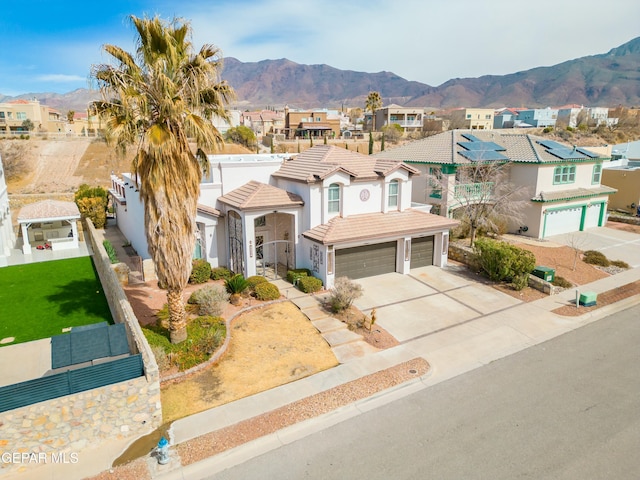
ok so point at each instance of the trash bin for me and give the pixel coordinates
(545, 273)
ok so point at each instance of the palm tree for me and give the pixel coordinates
(158, 101)
(373, 103)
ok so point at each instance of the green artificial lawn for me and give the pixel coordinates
(38, 300)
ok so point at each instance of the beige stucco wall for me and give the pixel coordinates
(627, 182)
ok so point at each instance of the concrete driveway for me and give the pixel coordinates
(615, 244)
(427, 300)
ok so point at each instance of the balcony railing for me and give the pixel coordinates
(407, 123)
(473, 191)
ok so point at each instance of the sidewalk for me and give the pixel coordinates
(450, 352)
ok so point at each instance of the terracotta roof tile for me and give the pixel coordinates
(257, 195)
(48, 209)
(318, 162)
(209, 210)
(378, 225)
(574, 194)
(443, 148)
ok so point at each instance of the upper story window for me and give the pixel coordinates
(392, 197)
(333, 201)
(597, 173)
(21, 115)
(468, 115)
(564, 174)
(318, 119)
(1, 114)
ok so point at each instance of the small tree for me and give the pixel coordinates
(370, 143)
(92, 203)
(241, 135)
(343, 294)
(373, 103)
(483, 198)
(393, 132)
(382, 143)
(70, 115)
(14, 159)
(28, 125)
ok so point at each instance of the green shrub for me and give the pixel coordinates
(267, 291)
(236, 284)
(309, 284)
(92, 203)
(220, 273)
(205, 335)
(619, 264)
(595, 257)
(343, 293)
(562, 282)
(210, 299)
(200, 271)
(296, 273)
(504, 262)
(111, 252)
(547, 130)
(255, 280)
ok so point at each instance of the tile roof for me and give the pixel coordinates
(258, 195)
(573, 194)
(316, 163)
(47, 210)
(443, 148)
(369, 226)
(209, 210)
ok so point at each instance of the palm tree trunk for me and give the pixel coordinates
(177, 317)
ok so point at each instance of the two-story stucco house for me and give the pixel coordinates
(563, 182)
(336, 212)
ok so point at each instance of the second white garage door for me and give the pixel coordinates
(557, 222)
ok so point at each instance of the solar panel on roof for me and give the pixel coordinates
(565, 153)
(482, 146)
(588, 153)
(550, 144)
(482, 155)
(471, 138)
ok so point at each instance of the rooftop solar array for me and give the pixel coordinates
(482, 146)
(482, 155)
(478, 150)
(566, 153)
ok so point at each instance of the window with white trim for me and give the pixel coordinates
(333, 198)
(597, 173)
(392, 197)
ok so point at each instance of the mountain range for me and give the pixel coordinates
(608, 79)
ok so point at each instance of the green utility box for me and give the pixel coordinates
(545, 273)
(588, 299)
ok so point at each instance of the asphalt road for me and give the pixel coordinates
(566, 409)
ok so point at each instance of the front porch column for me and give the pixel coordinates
(74, 233)
(26, 246)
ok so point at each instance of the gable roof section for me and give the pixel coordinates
(257, 195)
(371, 226)
(573, 194)
(317, 163)
(445, 148)
(48, 210)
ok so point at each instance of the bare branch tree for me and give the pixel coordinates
(482, 197)
(14, 159)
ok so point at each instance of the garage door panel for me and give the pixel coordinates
(366, 261)
(592, 218)
(562, 221)
(421, 252)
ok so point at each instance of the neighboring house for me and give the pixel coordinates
(310, 124)
(626, 151)
(568, 114)
(574, 115)
(625, 178)
(409, 118)
(504, 118)
(7, 237)
(263, 121)
(564, 183)
(472, 118)
(14, 113)
(536, 117)
(336, 212)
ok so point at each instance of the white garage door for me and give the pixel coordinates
(557, 222)
(592, 218)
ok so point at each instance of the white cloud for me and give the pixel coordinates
(60, 78)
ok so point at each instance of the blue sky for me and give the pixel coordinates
(50, 46)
